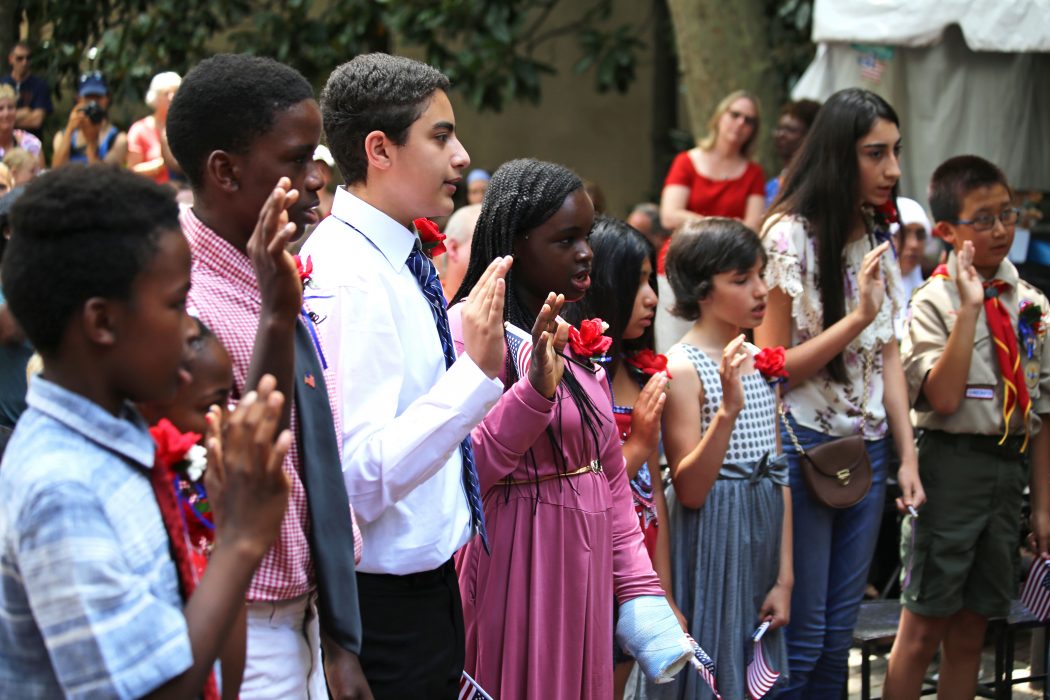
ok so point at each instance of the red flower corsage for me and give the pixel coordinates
(770, 362)
(304, 269)
(648, 362)
(888, 212)
(180, 454)
(431, 237)
(590, 340)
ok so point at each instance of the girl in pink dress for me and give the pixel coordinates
(564, 537)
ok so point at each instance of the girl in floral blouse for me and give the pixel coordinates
(834, 291)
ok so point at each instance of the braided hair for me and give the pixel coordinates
(522, 195)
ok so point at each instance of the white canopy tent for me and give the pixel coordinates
(965, 76)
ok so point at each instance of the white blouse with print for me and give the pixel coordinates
(822, 403)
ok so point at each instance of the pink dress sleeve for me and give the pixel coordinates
(633, 573)
(513, 425)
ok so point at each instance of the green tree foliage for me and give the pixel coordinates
(489, 48)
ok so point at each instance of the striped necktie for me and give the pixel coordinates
(425, 274)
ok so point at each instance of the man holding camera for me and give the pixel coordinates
(88, 136)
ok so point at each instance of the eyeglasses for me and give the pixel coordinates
(748, 119)
(986, 222)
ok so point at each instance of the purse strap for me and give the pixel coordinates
(869, 362)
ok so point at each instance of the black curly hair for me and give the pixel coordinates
(374, 92)
(227, 101)
(79, 232)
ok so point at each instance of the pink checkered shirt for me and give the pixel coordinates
(225, 296)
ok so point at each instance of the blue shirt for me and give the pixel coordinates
(89, 600)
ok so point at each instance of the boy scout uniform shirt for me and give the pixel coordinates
(934, 310)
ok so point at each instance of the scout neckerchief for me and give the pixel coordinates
(1014, 389)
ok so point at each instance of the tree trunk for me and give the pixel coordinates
(722, 47)
(10, 17)
(665, 96)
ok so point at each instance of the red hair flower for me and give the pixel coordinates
(770, 362)
(304, 269)
(589, 341)
(431, 237)
(648, 362)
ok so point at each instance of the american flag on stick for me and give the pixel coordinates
(519, 344)
(1035, 595)
(470, 690)
(704, 666)
(760, 675)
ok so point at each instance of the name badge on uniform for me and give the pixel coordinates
(984, 393)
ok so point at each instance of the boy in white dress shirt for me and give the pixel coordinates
(407, 403)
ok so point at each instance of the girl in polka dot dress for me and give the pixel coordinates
(730, 517)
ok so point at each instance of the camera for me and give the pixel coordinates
(94, 111)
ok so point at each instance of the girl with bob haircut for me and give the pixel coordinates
(835, 289)
(564, 539)
(730, 515)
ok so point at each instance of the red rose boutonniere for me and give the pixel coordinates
(770, 362)
(589, 340)
(305, 270)
(431, 237)
(648, 362)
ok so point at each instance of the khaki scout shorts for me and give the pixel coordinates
(962, 550)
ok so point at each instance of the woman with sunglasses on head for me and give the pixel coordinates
(834, 289)
(716, 178)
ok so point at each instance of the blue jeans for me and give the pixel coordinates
(833, 551)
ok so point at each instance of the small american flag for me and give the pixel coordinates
(704, 666)
(760, 675)
(1035, 595)
(519, 344)
(470, 690)
(871, 67)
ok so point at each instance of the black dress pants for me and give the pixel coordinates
(413, 642)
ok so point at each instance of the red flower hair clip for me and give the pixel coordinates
(431, 237)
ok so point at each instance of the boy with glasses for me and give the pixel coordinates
(978, 370)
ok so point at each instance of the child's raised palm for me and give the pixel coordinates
(648, 408)
(971, 290)
(729, 370)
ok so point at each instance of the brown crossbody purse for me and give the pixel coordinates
(838, 472)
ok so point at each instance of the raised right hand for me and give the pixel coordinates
(245, 479)
(279, 283)
(549, 336)
(482, 318)
(733, 357)
(648, 408)
(872, 289)
(971, 290)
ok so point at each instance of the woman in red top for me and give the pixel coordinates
(717, 178)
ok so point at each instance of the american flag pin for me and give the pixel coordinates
(310, 381)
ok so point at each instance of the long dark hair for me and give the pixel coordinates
(822, 184)
(619, 251)
(522, 195)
